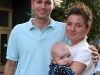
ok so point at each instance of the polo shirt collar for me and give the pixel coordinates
(52, 23)
(31, 26)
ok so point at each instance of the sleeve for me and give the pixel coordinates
(12, 49)
(84, 56)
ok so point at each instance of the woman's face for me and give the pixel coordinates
(76, 28)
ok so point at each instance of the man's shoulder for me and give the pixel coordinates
(57, 22)
(21, 25)
(60, 23)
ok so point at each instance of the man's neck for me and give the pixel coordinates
(41, 24)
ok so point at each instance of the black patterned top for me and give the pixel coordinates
(56, 69)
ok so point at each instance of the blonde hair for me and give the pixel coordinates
(59, 45)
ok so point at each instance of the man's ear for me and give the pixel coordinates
(32, 3)
(54, 4)
(53, 60)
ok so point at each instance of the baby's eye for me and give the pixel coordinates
(61, 58)
(69, 56)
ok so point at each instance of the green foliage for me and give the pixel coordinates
(60, 13)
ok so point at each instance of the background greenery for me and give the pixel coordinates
(60, 13)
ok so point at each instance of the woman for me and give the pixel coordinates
(78, 25)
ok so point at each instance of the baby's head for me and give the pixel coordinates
(61, 54)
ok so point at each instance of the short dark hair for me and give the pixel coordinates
(79, 8)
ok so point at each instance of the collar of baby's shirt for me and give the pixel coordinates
(56, 66)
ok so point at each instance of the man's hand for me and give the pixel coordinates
(95, 53)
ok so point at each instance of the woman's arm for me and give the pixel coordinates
(78, 67)
(82, 61)
(10, 67)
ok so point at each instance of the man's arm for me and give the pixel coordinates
(10, 67)
(95, 54)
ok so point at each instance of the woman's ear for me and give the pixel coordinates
(53, 60)
(87, 30)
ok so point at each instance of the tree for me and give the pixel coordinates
(61, 11)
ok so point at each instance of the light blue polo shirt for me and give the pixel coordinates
(32, 47)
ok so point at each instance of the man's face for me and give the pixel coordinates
(42, 8)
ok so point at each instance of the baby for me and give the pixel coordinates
(61, 60)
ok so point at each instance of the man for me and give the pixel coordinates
(30, 43)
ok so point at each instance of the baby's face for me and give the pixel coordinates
(63, 58)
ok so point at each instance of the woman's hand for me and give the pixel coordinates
(95, 53)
